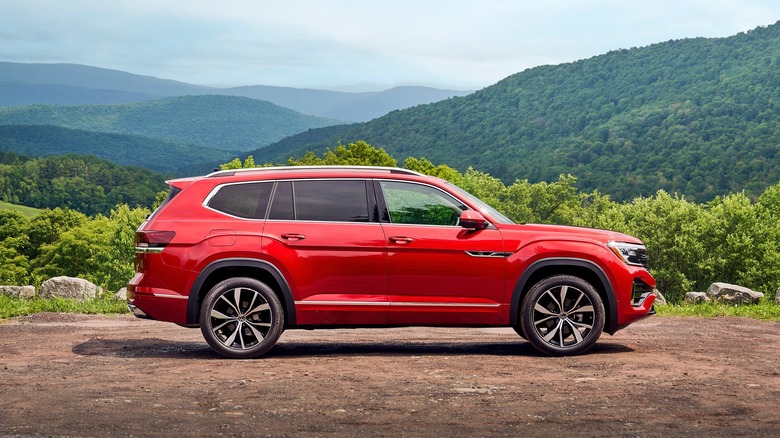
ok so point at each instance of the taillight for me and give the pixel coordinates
(153, 239)
(150, 242)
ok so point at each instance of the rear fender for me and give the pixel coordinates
(193, 303)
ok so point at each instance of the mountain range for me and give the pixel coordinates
(222, 122)
(74, 84)
(699, 117)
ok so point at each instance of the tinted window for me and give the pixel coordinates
(243, 200)
(418, 204)
(331, 200)
(282, 206)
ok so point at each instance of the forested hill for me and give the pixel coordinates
(224, 122)
(123, 149)
(87, 184)
(699, 117)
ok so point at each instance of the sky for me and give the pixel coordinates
(353, 44)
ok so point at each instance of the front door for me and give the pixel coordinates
(439, 272)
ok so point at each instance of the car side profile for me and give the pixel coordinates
(246, 254)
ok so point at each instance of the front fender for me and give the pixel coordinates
(558, 265)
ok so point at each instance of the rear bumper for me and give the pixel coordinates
(160, 305)
(136, 311)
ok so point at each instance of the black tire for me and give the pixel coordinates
(241, 318)
(562, 315)
(519, 331)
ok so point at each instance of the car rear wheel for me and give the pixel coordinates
(562, 315)
(241, 318)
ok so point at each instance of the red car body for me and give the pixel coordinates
(378, 270)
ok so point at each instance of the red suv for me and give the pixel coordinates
(245, 254)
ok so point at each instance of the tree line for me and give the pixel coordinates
(733, 238)
(76, 182)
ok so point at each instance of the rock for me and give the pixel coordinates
(18, 291)
(696, 297)
(121, 294)
(659, 299)
(69, 287)
(733, 294)
(777, 296)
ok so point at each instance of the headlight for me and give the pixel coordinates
(631, 253)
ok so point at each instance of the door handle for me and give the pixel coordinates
(293, 236)
(401, 239)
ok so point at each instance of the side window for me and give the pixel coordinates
(248, 201)
(331, 200)
(410, 203)
(282, 205)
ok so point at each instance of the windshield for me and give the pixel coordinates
(492, 212)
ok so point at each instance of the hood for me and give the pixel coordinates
(557, 232)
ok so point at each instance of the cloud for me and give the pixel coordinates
(454, 43)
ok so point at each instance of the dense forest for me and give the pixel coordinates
(698, 117)
(122, 149)
(223, 122)
(83, 183)
(730, 239)
(62, 241)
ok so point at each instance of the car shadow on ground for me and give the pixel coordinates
(160, 348)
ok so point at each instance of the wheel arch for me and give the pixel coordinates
(223, 269)
(585, 269)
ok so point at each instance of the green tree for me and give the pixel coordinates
(359, 153)
(46, 227)
(119, 269)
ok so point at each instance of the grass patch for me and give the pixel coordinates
(764, 310)
(26, 211)
(12, 307)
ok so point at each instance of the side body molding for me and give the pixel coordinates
(610, 325)
(193, 303)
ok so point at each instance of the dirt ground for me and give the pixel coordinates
(79, 375)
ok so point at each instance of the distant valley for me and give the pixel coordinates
(165, 125)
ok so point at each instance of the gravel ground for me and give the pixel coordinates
(105, 376)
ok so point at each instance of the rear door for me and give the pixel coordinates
(325, 236)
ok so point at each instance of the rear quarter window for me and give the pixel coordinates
(246, 200)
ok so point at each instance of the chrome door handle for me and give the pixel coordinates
(401, 240)
(293, 236)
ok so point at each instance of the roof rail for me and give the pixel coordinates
(231, 172)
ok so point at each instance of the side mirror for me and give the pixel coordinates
(473, 220)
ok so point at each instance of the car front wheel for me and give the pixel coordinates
(562, 315)
(241, 318)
